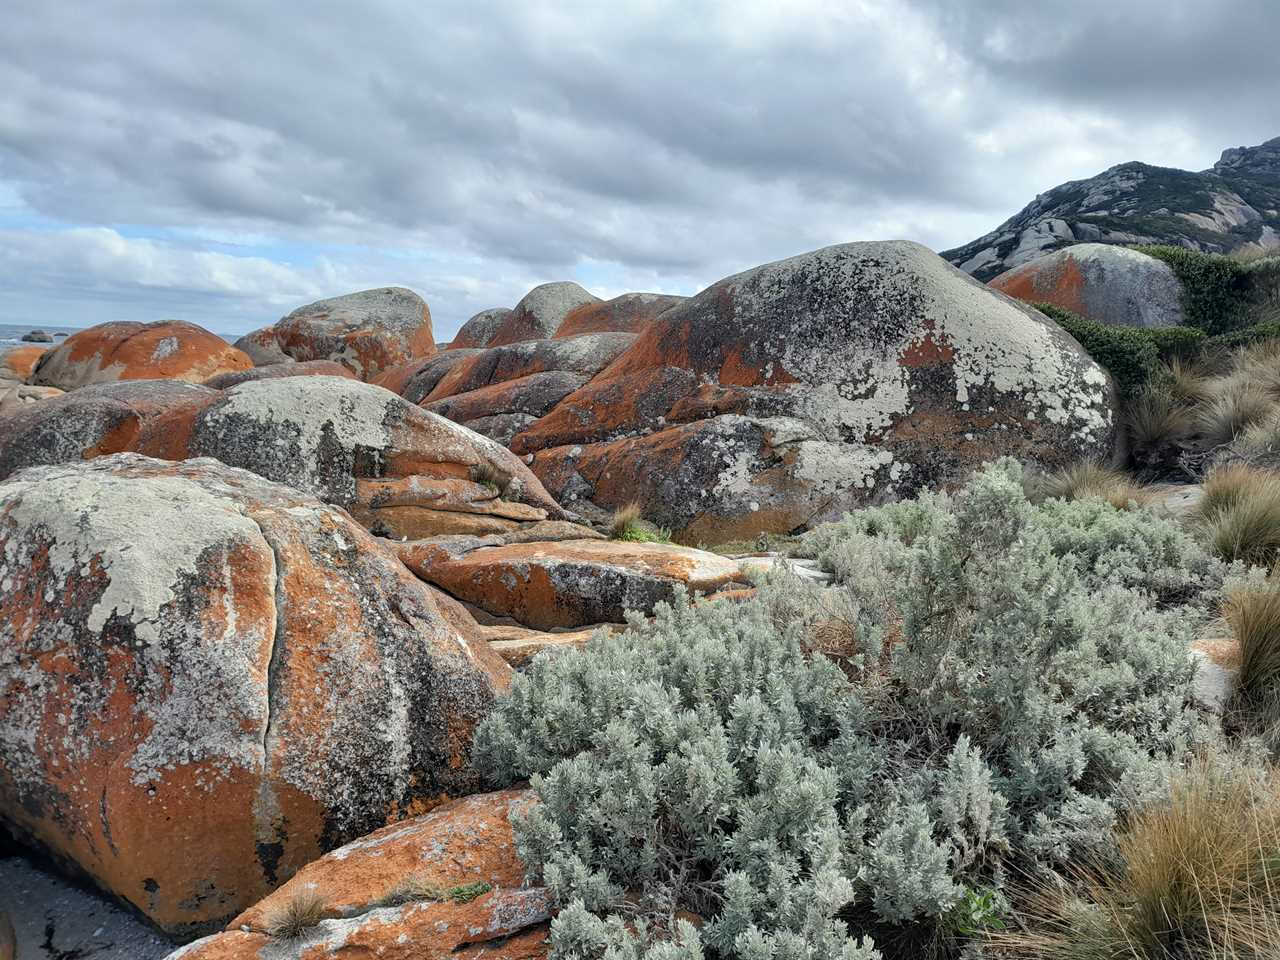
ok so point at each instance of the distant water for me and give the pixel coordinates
(11, 333)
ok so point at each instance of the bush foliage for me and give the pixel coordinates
(1215, 288)
(1012, 678)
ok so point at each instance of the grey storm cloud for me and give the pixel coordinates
(663, 144)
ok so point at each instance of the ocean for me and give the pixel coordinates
(11, 333)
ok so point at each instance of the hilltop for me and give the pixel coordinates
(1233, 207)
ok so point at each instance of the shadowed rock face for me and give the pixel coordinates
(629, 313)
(170, 350)
(210, 679)
(305, 368)
(792, 392)
(1111, 285)
(465, 842)
(366, 332)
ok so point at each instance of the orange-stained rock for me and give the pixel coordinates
(569, 583)
(263, 348)
(480, 329)
(586, 355)
(317, 434)
(18, 363)
(418, 523)
(304, 368)
(1102, 282)
(415, 379)
(629, 313)
(464, 842)
(211, 679)
(367, 332)
(539, 313)
(795, 391)
(8, 942)
(169, 350)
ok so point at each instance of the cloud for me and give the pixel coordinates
(473, 150)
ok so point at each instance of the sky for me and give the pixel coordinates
(226, 161)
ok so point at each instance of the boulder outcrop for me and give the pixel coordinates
(210, 679)
(262, 347)
(447, 884)
(787, 394)
(321, 435)
(19, 395)
(540, 312)
(367, 332)
(168, 350)
(303, 368)
(480, 329)
(629, 313)
(1108, 284)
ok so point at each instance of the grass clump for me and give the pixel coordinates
(1197, 876)
(420, 888)
(1089, 479)
(629, 526)
(1239, 514)
(1253, 614)
(1013, 681)
(296, 916)
(487, 475)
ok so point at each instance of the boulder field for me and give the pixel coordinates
(783, 396)
(209, 679)
(1112, 285)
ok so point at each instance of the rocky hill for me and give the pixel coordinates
(1232, 207)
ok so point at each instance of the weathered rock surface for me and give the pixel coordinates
(539, 313)
(37, 336)
(1108, 284)
(320, 435)
(629, 313)
(304, 368)
(465, 842)
(480, 329)
(367, 332)
(416, 379)
(785, 395)
(211, 679)
(17, 396)
(586, 355)
(501, 410)
(17, 364)
(262, 347)
(568, 583)
(169, 350)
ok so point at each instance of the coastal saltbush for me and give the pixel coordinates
(1013, 679)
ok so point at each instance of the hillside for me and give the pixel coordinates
(1232, 207)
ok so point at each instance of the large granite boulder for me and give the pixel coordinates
(19, 395)
(480, 329)
(629, 313)
(320, 435)
(1112, 285)
(208, 679)
(539, 313)
(168, 350)
(785, 395)
(303, 368)
(375, 895)
(17, 364)
(262, 347)
(367, 332)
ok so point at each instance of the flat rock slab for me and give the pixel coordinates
(570, 583)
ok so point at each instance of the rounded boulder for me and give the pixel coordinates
(209, 679)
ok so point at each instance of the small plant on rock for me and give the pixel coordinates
(419, 888)
(487, 475)
(296, 916)
(629, 526)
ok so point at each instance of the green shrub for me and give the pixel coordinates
(1017, 679)
(1244, 336)
(1214, 287)
(1128, 353)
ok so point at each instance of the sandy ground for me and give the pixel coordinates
(55, 920)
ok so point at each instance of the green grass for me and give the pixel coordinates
(629, 526)
(417, 889)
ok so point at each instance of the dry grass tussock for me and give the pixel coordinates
(1239, 514)
(629, 526)
(1196, 878)
(1088, 479)
(298, 915)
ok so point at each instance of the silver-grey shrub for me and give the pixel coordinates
(1015, 677)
